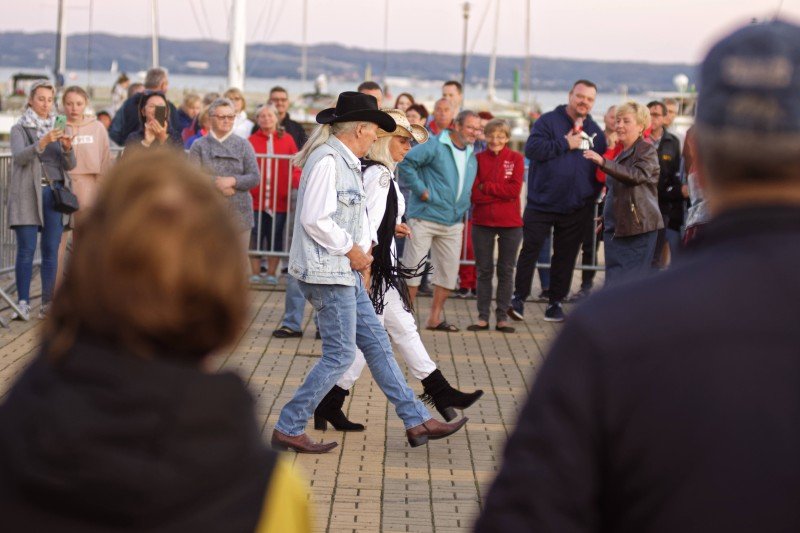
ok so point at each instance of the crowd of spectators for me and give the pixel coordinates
(566, 187)
(568, 463)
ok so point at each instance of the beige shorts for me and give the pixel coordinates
(444, 243)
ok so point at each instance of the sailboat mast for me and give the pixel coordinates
(385, 42)
(491, 93)
(61, 45)
(464, 45)
(154, 32)
(304, 56)
(528, 51)
(238, 21)
(89, 50)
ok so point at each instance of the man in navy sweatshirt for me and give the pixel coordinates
(562, 189)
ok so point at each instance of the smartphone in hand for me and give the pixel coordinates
(61, 122)
(161, 114)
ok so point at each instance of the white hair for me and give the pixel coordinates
(220, 102)
(320, 135)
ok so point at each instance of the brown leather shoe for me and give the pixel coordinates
(432, 429)
(301, 443)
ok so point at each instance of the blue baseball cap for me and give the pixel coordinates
(750, 80)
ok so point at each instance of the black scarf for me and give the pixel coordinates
(387, 271)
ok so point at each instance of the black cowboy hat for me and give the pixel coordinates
(352, 106)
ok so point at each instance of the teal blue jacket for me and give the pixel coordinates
(431, 167)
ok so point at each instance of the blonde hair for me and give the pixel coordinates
(191, 99)
(379, 152)
(233, 91)
(497, 124)
(639, 112)
(320, 136)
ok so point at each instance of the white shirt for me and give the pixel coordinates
(376, 185)
(460, 157)
(242, 126)
(319, 205)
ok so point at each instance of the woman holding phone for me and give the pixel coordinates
(631, 218)
(41, 156)
(154, 124)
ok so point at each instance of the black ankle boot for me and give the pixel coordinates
(445, 398)
(330, 410)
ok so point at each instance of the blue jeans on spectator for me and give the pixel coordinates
(347, 320)
(26, 249)
(674, 240)
(295, 305)
(628, 258)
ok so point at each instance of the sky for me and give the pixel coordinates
(613, 30)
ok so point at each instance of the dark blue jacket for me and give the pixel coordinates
(670, 404)
(560, 180)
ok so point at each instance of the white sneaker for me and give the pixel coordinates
(43, 311)
(24, 311)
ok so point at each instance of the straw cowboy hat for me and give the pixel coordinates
(352, 106)
(404, 127)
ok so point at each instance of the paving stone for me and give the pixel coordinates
(374, 481)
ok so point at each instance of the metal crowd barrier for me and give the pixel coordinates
(271, 176)
(593, 263)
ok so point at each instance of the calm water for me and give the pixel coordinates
(426, 91)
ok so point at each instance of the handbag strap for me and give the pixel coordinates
(38, 156)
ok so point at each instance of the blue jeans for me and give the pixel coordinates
(674, 241)
(628, 258)
(347, 320)
(295, 305)
(26, 249)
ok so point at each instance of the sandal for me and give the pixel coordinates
(505, 329)
(444, 326)
(286, 333)
(478, 327)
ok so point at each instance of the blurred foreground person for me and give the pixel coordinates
(118, 425)
(629, 427)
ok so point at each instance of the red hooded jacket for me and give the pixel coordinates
(277, 170)
(497, 187)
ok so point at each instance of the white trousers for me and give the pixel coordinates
(402, 330)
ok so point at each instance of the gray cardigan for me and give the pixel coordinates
(233, 157)
(25, 188)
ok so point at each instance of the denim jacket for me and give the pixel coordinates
(309, 261)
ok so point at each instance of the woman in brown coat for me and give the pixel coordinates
(631, 217)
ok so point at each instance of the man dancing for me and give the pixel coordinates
(330, 249)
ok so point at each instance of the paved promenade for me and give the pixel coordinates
(374, 481)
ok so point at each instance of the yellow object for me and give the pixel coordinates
(286, 508)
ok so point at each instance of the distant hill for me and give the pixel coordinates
(36, 50)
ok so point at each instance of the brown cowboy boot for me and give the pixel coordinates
(432, 429)
(301, 443)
